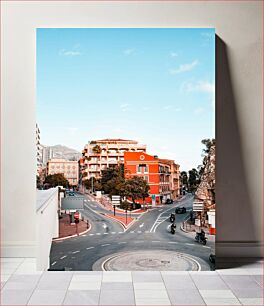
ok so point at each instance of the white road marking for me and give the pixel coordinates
(132, 232)
(155, 241)
(120, 232)
(63, 257)
(106, 233)
(173, 242)
(89, 248)
(206, 247)
(139, 232)
(105, 244)
(138, 241)
(113, 232)
(146, 231)
(91, 234)
(161, 218)
(122, 242)
(75, 252)
(84, 235)
(54, 263)
(98, 233)
(141, 225)
(160, 209)
(189, 243)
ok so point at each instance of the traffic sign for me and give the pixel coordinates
(198, 206)
(116, 200)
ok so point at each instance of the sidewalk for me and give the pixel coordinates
(68, 230)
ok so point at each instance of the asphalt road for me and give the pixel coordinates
(107, 237)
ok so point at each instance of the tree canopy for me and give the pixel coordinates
(135, 188)
(57, 179)
(112, 179)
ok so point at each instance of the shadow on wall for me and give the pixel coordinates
(234, 216)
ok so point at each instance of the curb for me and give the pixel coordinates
(181, 227)
(72, 236)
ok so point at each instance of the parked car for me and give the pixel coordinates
(71, 194)
(169, 201)
(180, 210)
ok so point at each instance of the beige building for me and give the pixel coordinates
(101, 154)
(174, 178)
(70, 169)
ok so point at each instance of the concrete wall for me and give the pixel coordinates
(239, 105)
(47, 225)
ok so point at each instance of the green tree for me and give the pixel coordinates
(96, 184)
(57, 179)
(97, 149)
(208, 143)
(135, 188)
(112, 179)
(193, 180)
(184, 179)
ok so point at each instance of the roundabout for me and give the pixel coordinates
(149, 260)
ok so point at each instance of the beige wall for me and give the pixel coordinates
(239, 104)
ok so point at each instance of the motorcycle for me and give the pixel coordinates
(172, 217)
(200, 238)
(173, 228)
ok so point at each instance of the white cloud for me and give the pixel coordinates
(167, 107)
(146, 108)
(207, 35)
(129, 51)
(199, 110)
(64, 52)
(184, 67)
(171, 107)
(124, 107)
(75, 51)
(202, 86)
(173, 54)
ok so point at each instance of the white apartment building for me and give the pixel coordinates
(70, 169)
(101, 154)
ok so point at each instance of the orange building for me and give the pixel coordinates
(157, 173)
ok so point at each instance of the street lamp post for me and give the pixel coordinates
(126, 216)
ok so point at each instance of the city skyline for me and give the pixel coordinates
(155, 86)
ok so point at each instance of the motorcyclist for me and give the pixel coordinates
(173, 226)
(202, 235)
(172, 217)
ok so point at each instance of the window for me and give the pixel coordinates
(142, 168)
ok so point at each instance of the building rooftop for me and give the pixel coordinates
(114, 140)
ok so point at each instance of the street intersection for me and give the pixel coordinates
(109, 241)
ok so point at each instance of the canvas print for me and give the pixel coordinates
(125, 138)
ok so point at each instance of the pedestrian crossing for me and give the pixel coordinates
(118, 233)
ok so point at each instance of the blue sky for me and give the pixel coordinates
(156, 86)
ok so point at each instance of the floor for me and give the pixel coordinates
(239, 282)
